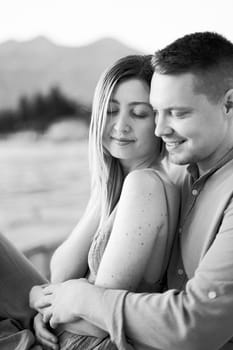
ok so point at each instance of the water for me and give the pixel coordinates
(44, 188)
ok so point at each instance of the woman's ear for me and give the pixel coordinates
(228, 102)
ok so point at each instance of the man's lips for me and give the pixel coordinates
(172, 144)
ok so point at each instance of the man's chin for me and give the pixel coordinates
(178, 160)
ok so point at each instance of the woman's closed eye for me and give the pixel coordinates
(113, 109)
(112, 112)
(142, 111)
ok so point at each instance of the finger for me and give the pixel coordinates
(40, 286)
(44, 301)
(46, 343)
(49, 289)
(35, 294)
(43, 335)
(53, 324)
(46, 334)
(47, 314)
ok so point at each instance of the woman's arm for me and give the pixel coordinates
(140, 219)
(70, 260)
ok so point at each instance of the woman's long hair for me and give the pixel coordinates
(106, 172)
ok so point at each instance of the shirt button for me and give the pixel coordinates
(180, 272)
(194, 192)
(212, 294)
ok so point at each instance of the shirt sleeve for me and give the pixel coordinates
(198, 318)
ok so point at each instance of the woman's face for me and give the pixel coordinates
(129, 130)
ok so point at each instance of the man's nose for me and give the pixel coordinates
(162, 126)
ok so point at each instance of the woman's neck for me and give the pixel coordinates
(128, 166)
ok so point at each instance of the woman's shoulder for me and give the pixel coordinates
(142, 176)
(154, 181)
(147, 179)
(158, 175)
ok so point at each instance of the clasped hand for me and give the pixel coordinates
(58, 303)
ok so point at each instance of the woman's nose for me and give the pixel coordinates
(121, 125)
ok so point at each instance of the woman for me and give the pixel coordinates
(124, 238)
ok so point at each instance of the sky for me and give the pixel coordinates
(146, 25)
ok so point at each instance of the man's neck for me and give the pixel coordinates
(204, 167)
(218, 163)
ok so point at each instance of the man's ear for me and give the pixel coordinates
(228, 102)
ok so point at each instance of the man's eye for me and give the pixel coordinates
(179, 114)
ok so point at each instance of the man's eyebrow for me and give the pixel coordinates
(180, 108)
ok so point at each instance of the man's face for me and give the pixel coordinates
(193, 128)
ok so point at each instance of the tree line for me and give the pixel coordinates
(41, 110)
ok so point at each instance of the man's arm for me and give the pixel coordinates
(105, 310)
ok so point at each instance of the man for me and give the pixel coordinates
(192, 95)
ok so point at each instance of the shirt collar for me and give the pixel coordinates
(194, 172)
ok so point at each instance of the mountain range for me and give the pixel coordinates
(36, 65)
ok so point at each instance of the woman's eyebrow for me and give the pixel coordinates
(140, 103)
(133, 103)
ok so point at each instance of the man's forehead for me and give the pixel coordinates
(181, 78)
(169, 90)
(170, 84)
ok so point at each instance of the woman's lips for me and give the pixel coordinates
(122, 141)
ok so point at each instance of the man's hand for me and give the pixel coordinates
(35, 294)
(61, 302)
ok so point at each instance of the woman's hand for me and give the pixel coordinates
(43, 335)
(60, 302)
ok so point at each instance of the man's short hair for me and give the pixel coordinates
(207, 55)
